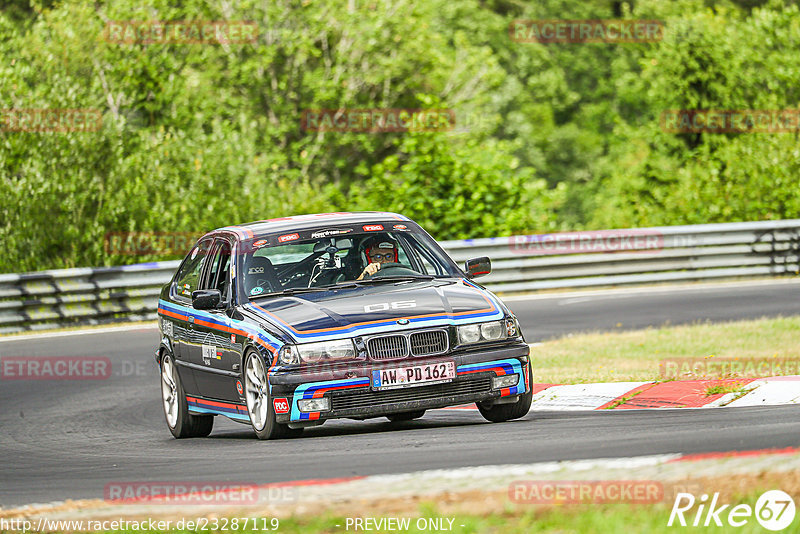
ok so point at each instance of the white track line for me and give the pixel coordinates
(771, 391)
(581, 396)
(44, 335)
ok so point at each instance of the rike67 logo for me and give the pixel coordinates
(774, 510)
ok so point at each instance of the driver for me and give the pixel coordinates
(378, 250)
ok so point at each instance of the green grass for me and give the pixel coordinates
(578, 519)
(635, 355)
(723, 389)
(622, 400)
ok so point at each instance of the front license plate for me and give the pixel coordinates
(413, 375)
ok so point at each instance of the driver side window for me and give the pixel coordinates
(219, 274)
(188, 277)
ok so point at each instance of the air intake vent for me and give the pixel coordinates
(388, 347)
(428, 343)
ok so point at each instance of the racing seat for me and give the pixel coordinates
(260, 274)
(352, 264)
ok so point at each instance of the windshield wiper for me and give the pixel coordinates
(399, 278)
(294, 290)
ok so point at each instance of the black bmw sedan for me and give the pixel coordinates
(286, 323)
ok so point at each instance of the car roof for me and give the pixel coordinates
(307, 222)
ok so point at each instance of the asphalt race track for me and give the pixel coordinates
(68, 439)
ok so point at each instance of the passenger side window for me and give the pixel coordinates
(188, 277)
(422, 257)
(427, 267)
(402, 257)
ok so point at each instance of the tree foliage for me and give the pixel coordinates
(549, 136)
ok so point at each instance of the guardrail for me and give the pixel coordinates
(650, 255)
(65, 297)
(48, 299)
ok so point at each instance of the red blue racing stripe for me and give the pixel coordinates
(234, 411)
(499, 367)
(318, 389)
(314, 390)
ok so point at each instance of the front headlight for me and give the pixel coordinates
(469, 333)
(492, 331)
(476, 333)
(288, 355)
(512, 326)
(341, 349)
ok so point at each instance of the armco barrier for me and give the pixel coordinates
(47, 299)
(651, 255)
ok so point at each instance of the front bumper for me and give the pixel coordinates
(351, 394)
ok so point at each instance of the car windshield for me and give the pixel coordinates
(339, 257)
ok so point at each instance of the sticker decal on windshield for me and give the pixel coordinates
(288, 237)
(331, 232)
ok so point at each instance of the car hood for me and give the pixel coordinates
(361, 310)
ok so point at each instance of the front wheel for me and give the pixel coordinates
(500, 413)
(259, 402)
(180, 422)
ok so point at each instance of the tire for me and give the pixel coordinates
(259, 402)
(500, 413)
(405, 416)
(180, 422)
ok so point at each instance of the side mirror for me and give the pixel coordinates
(478, 267)
(206, 299)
